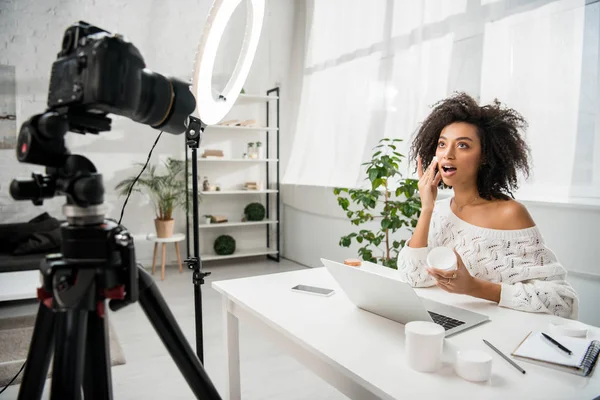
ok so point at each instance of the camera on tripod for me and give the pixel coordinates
(96, 73)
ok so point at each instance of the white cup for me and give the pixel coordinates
(473, 365)
(424, 345)
(567, 328)
(442, 258)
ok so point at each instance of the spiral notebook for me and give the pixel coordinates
(538, 350)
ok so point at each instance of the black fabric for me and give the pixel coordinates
(40, 242)
(12, 236)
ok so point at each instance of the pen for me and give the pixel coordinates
(560, 346)
(514, 364)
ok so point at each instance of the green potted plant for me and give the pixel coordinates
(207, 218)
(166, 191)
(391, 201)
(254, 212)
(251, 150)
(259, 150)
(224, 245)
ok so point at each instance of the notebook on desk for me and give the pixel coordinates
(536, 349)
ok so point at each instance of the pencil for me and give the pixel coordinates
(514, 364)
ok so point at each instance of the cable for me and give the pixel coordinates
(138, 177)
(13, 379)
(122, 212)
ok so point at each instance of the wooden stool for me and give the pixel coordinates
(176, 238)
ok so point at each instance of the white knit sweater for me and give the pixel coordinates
(530, 275)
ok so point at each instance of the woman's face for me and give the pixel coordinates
(459, 154)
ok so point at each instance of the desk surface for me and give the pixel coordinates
(370, 349)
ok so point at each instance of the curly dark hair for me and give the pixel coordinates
(503, 150)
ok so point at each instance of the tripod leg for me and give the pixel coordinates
(165, 325)
(97, 379)
(69, 355)
(38, 358)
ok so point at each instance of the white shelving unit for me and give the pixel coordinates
(240, 254)
(225, 192)
(245, 160)
(241, 128)
(251, 238)
(238, 223)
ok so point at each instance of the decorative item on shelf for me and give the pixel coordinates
(245, 156)
(206, 184)
(208, 153)
(252, 186)
(166, 192)
(224, 245)
(242, 91)
(260, 150)
(218, 187)
(218, 219)
(248, 123)
(231, 122)
(251, 150)
(207, 218)
(254, 212)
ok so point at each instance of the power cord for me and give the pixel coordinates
(122, 212)
(138, 177)
(13, 379)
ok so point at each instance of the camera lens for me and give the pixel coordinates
(164, 102)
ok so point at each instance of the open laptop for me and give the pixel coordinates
(389, 297)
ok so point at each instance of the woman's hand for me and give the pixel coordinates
(428, 183)
(457, 281)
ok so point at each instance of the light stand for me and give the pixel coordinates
(193, 136)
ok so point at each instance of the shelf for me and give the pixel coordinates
(262, 112)
(238, 254)
(242, 128)
(250, 160)
(237, 223)
(250, 98)
(216, 193)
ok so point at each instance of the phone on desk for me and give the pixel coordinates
(319, 291)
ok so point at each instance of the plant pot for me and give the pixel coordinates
(164, 227)
(207, 220)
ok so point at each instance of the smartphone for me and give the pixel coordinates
(313, 290)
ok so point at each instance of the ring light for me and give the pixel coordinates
(211, 110)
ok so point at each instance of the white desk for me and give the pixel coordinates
(362, 354)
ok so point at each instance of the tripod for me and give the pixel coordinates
(96, 264)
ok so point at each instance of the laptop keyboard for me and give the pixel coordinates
(447, 322)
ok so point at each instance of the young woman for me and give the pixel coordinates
(477, 151)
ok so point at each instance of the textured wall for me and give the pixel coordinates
(167, 34)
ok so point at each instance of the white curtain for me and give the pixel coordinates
(373, 70)
(533, 61)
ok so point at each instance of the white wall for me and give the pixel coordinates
(167, 35)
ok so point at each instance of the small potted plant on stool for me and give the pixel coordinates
(166, 191)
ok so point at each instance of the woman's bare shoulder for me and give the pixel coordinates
(513, 215)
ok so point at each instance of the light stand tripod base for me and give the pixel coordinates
(164, 323)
